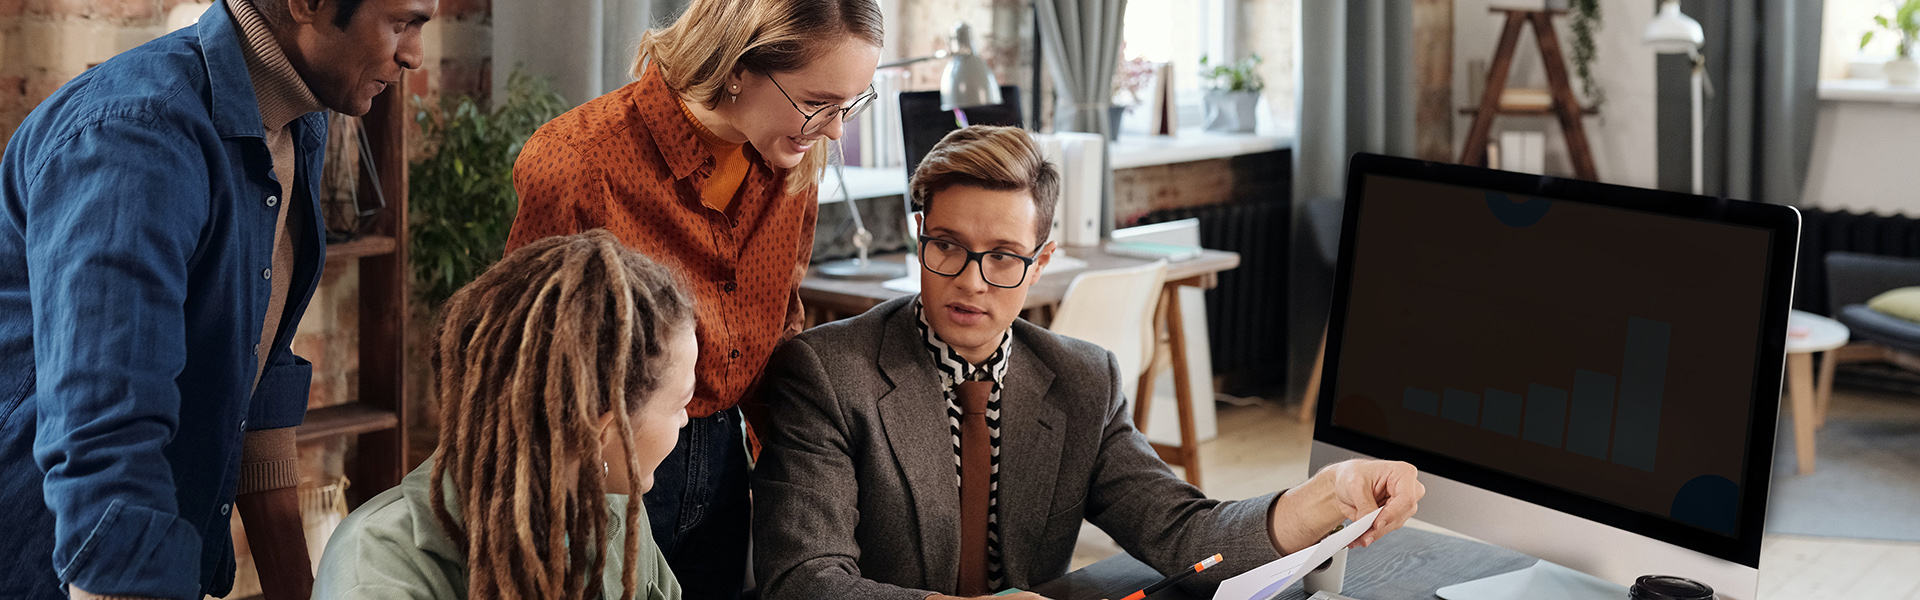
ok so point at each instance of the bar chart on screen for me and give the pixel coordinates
(1605, 416)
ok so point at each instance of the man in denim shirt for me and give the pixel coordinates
(159, 240)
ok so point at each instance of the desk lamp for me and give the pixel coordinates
(967, 82)
(1673, 32)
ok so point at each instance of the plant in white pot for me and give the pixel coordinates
(1233, 94)
(1906, 21)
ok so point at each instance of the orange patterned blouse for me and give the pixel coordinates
(632, 162)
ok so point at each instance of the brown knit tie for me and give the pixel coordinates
(976, 474)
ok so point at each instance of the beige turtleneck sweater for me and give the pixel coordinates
(269, 457)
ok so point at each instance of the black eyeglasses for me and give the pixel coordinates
(849, 111)
(998, 269)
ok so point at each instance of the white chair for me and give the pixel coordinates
(1114, 309)
(1119, 309)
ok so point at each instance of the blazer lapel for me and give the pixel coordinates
(1031, 438)
(915, 418)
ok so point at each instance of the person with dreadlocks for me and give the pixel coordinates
(709, 162)
(572, 353)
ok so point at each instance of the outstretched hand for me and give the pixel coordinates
(1346, 491)
(1360, 486)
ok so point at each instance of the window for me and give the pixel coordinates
(1176, 32)
(1843, 22)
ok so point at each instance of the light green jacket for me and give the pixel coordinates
(392, 548)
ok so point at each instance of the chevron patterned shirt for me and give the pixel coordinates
(954, 369)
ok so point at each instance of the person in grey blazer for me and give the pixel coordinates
(856, 495)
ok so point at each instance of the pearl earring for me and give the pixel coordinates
(733, 93)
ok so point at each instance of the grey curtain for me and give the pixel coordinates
(1356, 94)
(1080, 41)
(1763, 60)
(585, 47)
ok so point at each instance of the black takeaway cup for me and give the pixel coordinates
(1667, 587)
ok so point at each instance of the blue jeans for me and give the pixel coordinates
(699, 507)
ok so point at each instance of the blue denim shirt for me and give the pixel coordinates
(136, 240)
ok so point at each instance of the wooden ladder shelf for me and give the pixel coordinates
(1560, 85)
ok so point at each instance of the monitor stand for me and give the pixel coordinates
(1542, 580)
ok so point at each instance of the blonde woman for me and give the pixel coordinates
(563, 373)
(708, 163)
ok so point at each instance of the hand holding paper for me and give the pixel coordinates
(1268, 580)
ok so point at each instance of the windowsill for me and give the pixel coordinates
(1192, 144)
(1868, 90)
(1134, 150)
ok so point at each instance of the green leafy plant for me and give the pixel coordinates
(1584, 19)
(1240, 76)
(1906, 22)
(461, 201)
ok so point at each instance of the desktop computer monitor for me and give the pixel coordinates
(1583, 372)
(922, 123)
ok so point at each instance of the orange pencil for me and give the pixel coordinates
(1197, 567)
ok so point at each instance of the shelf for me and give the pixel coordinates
(345, 419)
(1531, 112)
(1868, 90)
(372, 245)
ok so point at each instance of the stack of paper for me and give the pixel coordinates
(1268, 580)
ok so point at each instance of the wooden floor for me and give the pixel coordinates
(1262, 449)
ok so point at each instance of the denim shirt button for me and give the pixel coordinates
(266, 273)
(225, 508)
(243, 425)
(273, 201)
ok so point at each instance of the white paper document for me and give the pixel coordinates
(1267, 580)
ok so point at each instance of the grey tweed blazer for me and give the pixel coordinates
(855, 495)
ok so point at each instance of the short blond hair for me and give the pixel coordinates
(714, 39)
(1001, 159)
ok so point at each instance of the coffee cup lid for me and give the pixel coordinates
(1667, 587)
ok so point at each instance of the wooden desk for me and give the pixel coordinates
(828, 299)
(1408, 564)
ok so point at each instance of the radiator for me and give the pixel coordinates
(1247, 312)
(1827, 231)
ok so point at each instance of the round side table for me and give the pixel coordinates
(1809, 334)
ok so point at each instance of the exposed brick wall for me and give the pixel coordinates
(1267, 29)
(44, 43)
(1142, 190)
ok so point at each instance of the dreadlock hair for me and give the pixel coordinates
(526, 359)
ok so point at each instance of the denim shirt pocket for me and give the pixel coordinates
(280, 400)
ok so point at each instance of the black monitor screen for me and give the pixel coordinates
(923, 123)
(1599, 351)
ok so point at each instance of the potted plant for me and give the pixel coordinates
(1906, 21)
(1583, 17)
(1233, 94)
(1132, 78)
(461, 201)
